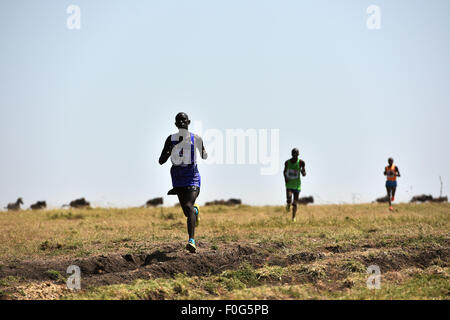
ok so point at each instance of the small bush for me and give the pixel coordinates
(169, 216)
(353, 266)
(69, 216)
(312, 272)
(56, 275)
(245, 274)
(47, 245)
(211, 287)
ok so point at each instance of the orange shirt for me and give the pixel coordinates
(391, 173)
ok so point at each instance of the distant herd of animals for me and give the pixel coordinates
(238, 202)
(422, 198)
(82, 203)
(78, 203)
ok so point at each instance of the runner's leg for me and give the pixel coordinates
(288, 199)
(393, 191)
(388, 189)
(187, 199)
(294, 204)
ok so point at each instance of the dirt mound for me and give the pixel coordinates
(163, 262)
(400, 259)
(171, 259)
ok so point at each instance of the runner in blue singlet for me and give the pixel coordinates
(181, 148)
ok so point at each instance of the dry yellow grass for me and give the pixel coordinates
(343, 233)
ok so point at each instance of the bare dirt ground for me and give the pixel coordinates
(172, 259)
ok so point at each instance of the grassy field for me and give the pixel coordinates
(244, 253)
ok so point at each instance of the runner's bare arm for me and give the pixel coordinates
(397, 171)
(165, 154)
(285, 171)
(303, 167)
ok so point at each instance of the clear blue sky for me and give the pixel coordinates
(84, 113)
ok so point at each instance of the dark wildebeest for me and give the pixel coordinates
(15, 206)
(154, 202)
(305, 200)
(233, 202)
(440, 199)
(38, 205)
(79, 203)
(422, 198)
(384, 199)
(229, 202)
(215, 203)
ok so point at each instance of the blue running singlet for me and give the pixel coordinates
(184, 169)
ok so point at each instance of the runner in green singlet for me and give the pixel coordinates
(292, 170)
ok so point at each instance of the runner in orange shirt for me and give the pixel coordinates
(391, 172)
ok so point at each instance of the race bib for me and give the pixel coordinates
(292, 174)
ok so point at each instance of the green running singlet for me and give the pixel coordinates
(293, 175)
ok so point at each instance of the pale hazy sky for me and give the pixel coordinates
(84, 113)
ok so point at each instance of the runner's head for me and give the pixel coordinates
(295, 153)
(182, 120)
(391, 161)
